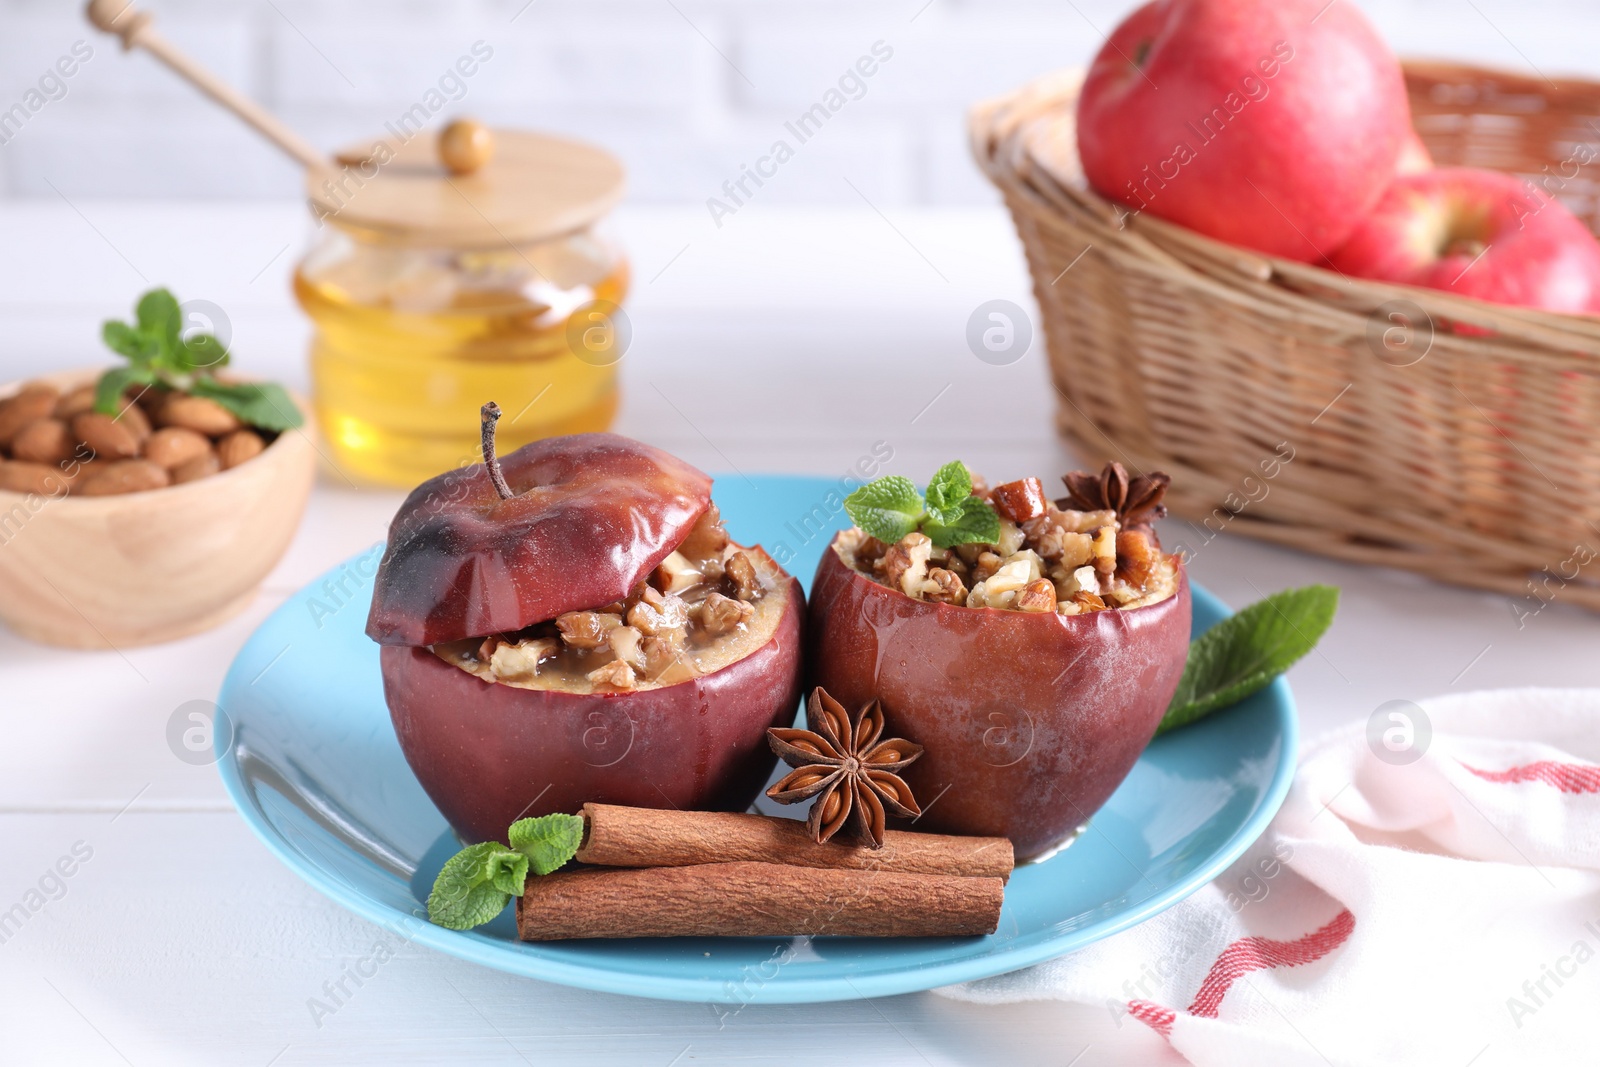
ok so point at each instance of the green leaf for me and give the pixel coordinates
(548, 841)
(160, 317)
(261, 404)
(114, 382)
(948, 493)
(474, 885)
(888, 508)
(1243, 653)
(127, 342)
(508, 872)
(203, 351)
(975, 523)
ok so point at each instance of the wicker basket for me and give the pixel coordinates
(1332, 414)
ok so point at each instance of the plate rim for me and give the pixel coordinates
(541, 964)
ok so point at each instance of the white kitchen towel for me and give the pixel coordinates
(1428, 894)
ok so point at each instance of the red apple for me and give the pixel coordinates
(489, 754)
(1028, 721)
(578, 525)
(1481, 234)
(1272, 124)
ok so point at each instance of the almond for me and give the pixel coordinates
(109, 438)
(123, 476)
(43, 441)
(197, 413)
(239, 446)
(75, 402)
(76, 469)
(173, 446)
(133, 417)
(201, 466)
(22, 477)
(34, 401)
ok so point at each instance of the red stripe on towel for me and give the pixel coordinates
(1258, 953)
(1154, 1016)
(1567, 777)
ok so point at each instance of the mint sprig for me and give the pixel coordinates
(950, 514)
(476, 883)
(262, 404)
(1243, 653)
(160, 355)
(548, 841)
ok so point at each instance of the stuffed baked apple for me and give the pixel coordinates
(1029, 646)
(572, 624)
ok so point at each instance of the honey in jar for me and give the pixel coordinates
(431, 292)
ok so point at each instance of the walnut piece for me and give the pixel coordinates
(944, 587)
(707, 538)
(905, 565)
(664, 659)
(718, 614)
(586, 629)
(988, 563)
(741, 574)
(869, 550)
(657, 612)
(521, 660)
(625, 641)
(616, 674)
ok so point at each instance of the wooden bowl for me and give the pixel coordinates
(140, 568)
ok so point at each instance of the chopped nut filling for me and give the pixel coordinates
(708, 604)
(718, 614)
(1047, 559)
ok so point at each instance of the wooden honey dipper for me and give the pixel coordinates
(463, 145)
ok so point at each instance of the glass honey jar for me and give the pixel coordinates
(433, 288)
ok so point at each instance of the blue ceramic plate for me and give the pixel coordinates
(313, 765)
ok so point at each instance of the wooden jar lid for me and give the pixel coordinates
(534, 187)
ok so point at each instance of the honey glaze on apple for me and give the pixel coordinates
(1048, 558)
(709, 604)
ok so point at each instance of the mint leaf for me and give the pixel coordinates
(114, 382)
(508, 871)
(261, 404)
(975, 523)
(160, 317)
(948, 493)
(548, 841)
(155, 345)
(888, 508)
(128, 342)
(202, 351)
(1243, 653)
(474, 885)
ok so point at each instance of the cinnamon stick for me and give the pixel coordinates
(755, 900)
(646, 837)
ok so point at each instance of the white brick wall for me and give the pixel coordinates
(684, 90)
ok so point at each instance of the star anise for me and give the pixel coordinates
(842, 763)
(1136, 501)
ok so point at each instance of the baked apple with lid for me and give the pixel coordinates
(1030, 646)
(572, 623)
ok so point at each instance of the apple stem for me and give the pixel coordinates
(490, 414)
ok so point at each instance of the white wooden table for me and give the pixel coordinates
(785, 341)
